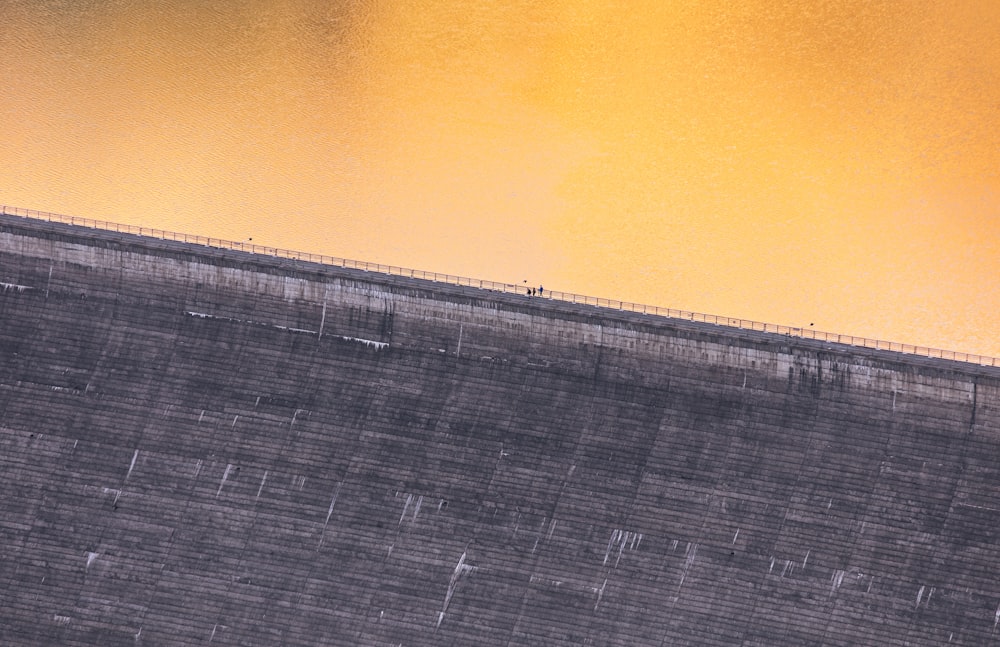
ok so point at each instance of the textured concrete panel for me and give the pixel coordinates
(204, 446)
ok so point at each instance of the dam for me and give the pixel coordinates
(208, 446)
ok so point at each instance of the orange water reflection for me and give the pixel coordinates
(835, 164)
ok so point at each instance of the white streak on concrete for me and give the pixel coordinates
(322, 319)
(406, 506)
(805, 560)
(329, 513)
(61, 620)
(460, 569)
(692, 553)
(203, 315)
(197, 469)
(600, 593)
(90, 559)
(920, 595)
(736, 535)
(977, 507)
(535, 579)
(836, 579)
(225, 475)
(996, 617)
(288, 328)
(132, 465)
(201, 416)
(333, 502)
(611, 543)
(261, 488)
(620, 540)
(15, 286)
(378, 345)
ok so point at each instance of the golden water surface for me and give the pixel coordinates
(808, 162)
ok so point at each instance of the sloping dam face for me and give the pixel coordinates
(202, 446)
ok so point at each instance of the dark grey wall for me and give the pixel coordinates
(203, 446)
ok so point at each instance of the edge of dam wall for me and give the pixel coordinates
(546, 326)
(204, 445)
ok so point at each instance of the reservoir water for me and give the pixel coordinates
(832, 165)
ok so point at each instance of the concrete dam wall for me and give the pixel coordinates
(202, 446)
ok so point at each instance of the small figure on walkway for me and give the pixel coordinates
(540, 290)
(527, 291)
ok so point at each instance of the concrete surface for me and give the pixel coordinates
(208, 447)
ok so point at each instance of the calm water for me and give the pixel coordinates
(833, 164)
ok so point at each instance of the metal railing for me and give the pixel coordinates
(510, 288)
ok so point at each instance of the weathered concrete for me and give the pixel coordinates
(204, 446)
